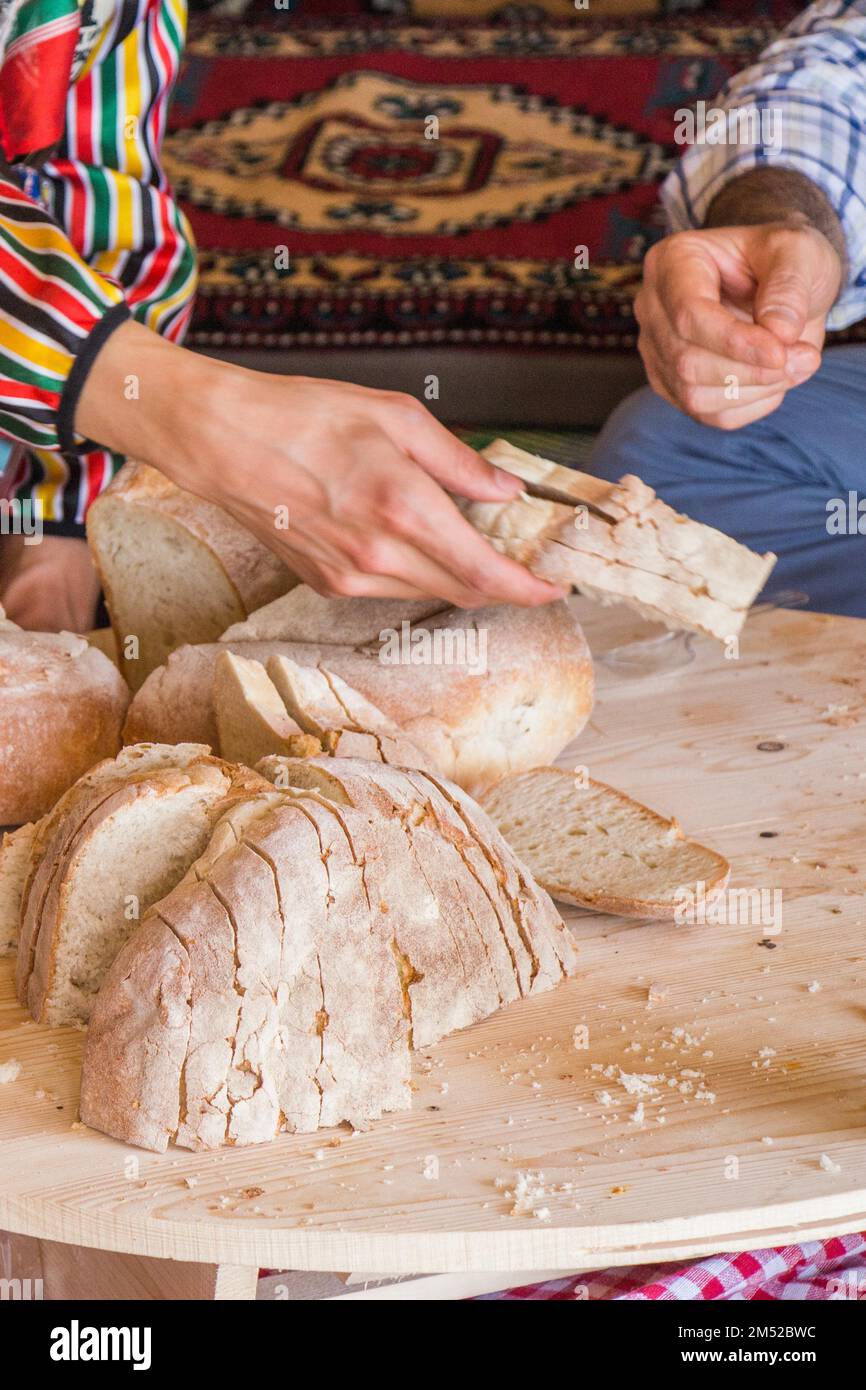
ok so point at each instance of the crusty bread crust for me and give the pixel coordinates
(62, 706)
(305, 616)
(137, 1041)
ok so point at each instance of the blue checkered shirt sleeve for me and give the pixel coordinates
(809, 91)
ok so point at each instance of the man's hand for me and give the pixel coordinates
(733, 317)
(348, 485)
(50, 587)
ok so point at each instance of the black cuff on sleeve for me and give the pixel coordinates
(99, 335)
(74, 529)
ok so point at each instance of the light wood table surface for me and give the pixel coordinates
(752, 1130)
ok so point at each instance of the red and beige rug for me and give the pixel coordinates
(370, 180)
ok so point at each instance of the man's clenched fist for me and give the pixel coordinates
(733, 317)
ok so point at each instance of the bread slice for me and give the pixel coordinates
(48, 835)
(592, 845)
(174, 568)
(345, 722)
(665, 566)
(129, 849)
(75, 867)
(252, 720)
(15, 851)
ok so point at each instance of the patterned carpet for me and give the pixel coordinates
(387, 181)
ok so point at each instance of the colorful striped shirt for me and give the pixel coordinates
(807, 97)
(89, 239)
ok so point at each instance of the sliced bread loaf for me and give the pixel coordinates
(344, 721)
(589, 844)
(283, 983)
(48, 835)
(527, 694)
(119, 839)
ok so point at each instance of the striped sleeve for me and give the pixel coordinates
(52, 306)
(802, 106)
(107, 191)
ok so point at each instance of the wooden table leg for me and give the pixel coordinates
(77, 1272)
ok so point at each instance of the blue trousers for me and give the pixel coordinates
(768, 484)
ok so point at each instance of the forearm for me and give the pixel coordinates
(144, 397)
(774, 195)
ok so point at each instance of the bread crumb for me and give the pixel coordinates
(9, 1071)
(635, 1084)
(826, 1162)
(190, 1182)
(813, 986)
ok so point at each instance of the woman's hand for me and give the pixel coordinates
(346, 484)
(51, 586)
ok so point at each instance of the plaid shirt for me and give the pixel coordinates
(809, 89)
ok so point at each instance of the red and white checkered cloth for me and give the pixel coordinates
(833, 1269)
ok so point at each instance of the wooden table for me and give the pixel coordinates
(755, 1133)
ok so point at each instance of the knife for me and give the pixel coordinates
(548, 493)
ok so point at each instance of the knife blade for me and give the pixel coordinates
(547, 493)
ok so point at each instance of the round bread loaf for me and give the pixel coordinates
(62, 705)
(524, 691)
